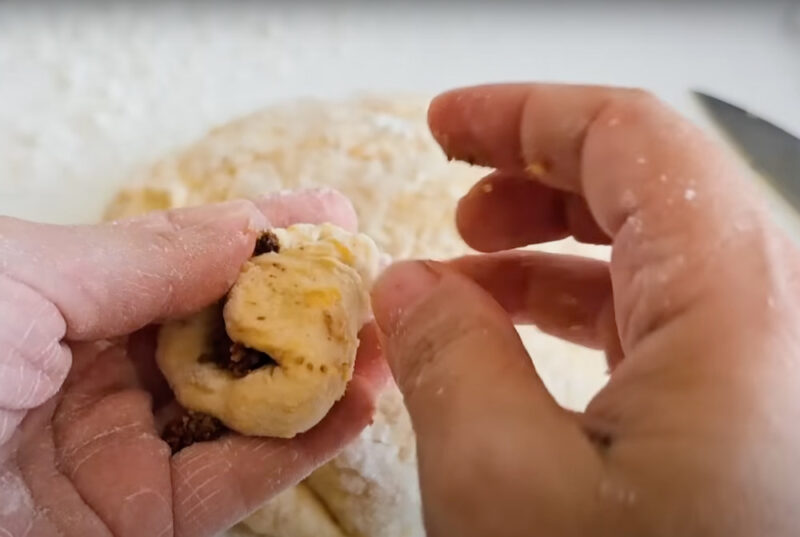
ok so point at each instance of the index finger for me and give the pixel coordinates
(682, 221)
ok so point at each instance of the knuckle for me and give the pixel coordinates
(631, 105)
(642, 95)
(641, 103)
(34, 364)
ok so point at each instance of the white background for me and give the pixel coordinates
(89, 94)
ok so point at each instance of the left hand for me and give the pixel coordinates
(80, 452)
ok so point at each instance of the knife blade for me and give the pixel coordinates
(772, 152)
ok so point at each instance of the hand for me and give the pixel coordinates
(86, 459)
(696, 432)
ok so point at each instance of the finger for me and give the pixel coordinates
(508, 209)
(107, 445)
(33, 364)
(429, 348)
(565, 296)
(486, 223)
(680, 216)
(219, 483)
(538, 128)
(54, 506)
(466, 381)
(114, 278)
(581, 223)
(314, 206)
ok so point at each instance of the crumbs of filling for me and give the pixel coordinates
(190, 428)
(235, 358)
(267, 242)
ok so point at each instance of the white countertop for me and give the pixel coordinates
(90, 94)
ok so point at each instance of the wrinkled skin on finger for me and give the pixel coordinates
(697, 311)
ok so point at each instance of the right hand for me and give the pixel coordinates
(695, 434)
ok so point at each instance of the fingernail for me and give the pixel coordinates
(400, 288)
(222, 215)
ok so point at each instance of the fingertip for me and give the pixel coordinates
(339, 206)
(398, 289)
(312, 206)
(479, 124)
(234, 215)
(437, 118)
(446, 344)
(370, 363)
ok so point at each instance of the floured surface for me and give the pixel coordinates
(296, 512)
(378, 151)
(371, 484)
(94, 90)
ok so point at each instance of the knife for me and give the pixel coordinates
(773, 152)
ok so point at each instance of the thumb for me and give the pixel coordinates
(481, 414)
(87, 282)
(110, 279)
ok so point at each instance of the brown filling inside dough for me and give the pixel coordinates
(266, 243)
(190, 428)
(193, 426)
(233, 357)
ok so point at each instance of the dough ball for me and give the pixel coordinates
(279, 354)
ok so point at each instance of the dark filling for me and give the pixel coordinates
(233, 357)
(243, 360)
(266, 243)
(192, 427)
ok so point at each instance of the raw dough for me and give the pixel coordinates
(296, 512)
(371, 487)
(302, 307)
(375, 150)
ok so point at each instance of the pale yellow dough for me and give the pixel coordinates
(303, 306)
(296, 512)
